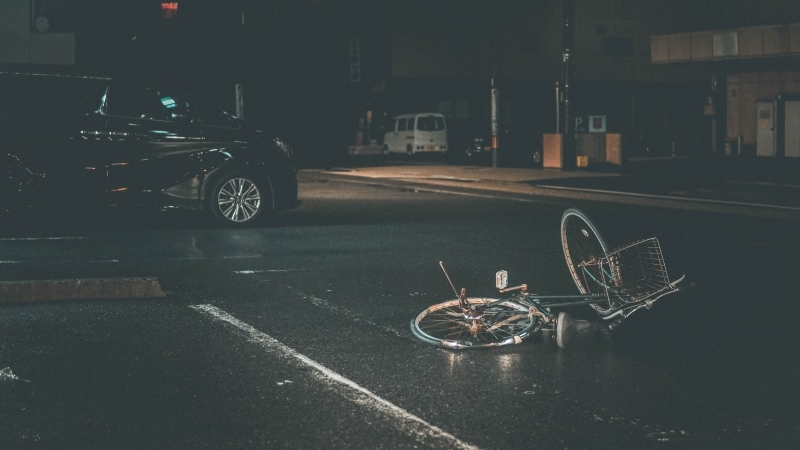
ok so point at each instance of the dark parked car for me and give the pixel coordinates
(92, 142)
(520, 147)
(517, 148)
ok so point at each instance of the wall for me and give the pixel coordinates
(751, 42)
(20, 45)
(743, 92)
(422, 44)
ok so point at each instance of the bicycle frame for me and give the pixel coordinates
(615, 284)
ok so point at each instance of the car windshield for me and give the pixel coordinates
(430, 123)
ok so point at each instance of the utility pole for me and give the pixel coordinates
(558, 109)
(240, 86)
(714, 114)
(495, 126)
(569, 151)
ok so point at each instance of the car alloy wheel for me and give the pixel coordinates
(238, 200)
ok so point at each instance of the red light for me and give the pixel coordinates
(169, 10)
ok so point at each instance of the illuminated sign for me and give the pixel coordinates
(590, 124)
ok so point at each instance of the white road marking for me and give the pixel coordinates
(106, 261)
(250, 272)
(406, 422)
(44, 239)
(354, 316)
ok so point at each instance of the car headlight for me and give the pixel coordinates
(285, 148)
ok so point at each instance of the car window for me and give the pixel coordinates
(393, 127)
(401, 124)
(411, 123)
(430, 123)
(139, 103)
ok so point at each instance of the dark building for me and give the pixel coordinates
(323, 70)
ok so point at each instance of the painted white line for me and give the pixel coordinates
(354, 316)
(44, 239)
(250, 272)
(669, 197)
(64, 261)
(106, 261)
(406, 422)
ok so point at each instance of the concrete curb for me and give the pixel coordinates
(525, 191)
(72, 289)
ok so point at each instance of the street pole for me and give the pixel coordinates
(240, 101)
(239, 86)
(558, 110)
(495, 127)
(714, 116)
(569, 152)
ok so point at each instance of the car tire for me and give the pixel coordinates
(240, 199)
(385, 149)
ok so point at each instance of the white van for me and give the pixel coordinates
(414, 133)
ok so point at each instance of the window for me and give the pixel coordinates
(401, 125)
(54, 16)
(430, 123)
(393, 126)
(618, 46)
(411, 123)
(137, 103)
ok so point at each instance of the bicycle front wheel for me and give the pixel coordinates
(489, 323)
(583, 249)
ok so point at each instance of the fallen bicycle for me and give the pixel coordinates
(614, 283)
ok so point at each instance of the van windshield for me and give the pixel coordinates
(430, 123)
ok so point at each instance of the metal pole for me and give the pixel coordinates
(495, 127)
(239, 101)
(239, 86)
(714, 116)
(568, 158)
(558, 110)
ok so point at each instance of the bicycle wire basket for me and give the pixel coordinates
(633, 274)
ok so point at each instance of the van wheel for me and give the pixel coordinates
(409, 150)
(385, 149)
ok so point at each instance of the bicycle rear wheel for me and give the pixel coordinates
(583, 249)
(491, 323)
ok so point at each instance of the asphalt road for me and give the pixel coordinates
(295, 335)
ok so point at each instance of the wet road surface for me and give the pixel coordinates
(295, 335)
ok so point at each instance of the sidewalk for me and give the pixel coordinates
(750, 186)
